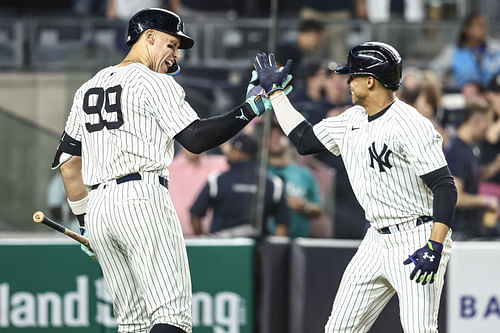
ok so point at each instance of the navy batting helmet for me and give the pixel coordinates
(158, 19)
(379, 60)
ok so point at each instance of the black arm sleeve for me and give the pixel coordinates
(66, 145)
(441, 183)
(205, 134)
(304, 139)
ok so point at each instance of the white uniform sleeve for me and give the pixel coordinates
(74, 124)
(331, 131)
(423, 146)
(167, 100)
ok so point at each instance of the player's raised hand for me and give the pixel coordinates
(426, 261)
(271, 78)
(256, 96)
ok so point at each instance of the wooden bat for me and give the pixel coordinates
(39, 217)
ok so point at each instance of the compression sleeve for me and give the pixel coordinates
(288, 117)
(441, 183)
(304, 139)
(205, 134)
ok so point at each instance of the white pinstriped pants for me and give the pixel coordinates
(138, 240)
(376, 272)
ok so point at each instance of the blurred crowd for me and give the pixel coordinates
(459, 92)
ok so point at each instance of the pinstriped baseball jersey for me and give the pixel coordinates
(385, 155)
(126, 118)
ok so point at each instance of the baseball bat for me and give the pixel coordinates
(39, 217)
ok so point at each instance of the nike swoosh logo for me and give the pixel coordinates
(354, 128)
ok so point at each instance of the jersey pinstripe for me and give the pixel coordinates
(126, 119)
(138, 239)
(137, 130)
(384, 156)
(376, 273)
(384, 159)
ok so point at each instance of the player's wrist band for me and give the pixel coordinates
(78, 207)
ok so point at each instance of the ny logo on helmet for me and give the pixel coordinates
(382, 158)
(427, 256)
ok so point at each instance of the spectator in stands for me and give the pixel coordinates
(321, 91)
(188, 173)
(412, 11)
(410, 85)
(337, 92)
(310, 83)
(422, 90)
(428, 101)
(490, 148)
(321, 226)
(309, 36)
(302, 191)
(231, 194)
(471, 207)
(475, 58)
(336, 32)
(309, 91)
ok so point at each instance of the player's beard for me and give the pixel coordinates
(354, 98)
(358, 100)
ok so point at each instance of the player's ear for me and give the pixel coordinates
(150, 36)
(370, 82)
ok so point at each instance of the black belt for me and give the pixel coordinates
(133, 176)
(420, 220)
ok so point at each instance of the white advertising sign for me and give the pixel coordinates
(473, 281)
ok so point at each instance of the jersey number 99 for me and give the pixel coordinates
(93, 102)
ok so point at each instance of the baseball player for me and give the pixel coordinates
(118, 142)
(399, 175)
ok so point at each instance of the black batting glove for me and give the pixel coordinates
(270, 77)
(426, 261)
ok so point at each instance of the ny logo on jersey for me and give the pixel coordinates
(427, 256)
(382, 158)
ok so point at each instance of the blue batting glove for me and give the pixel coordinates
(271, 78)
(256, 96)
(426, 261)
(85, 249)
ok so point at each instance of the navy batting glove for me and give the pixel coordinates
(271, 78)
(256, 96)
(85, 249)
(426, 261)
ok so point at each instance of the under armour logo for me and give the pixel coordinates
(242, 116)
(382, 158)
(427, 256)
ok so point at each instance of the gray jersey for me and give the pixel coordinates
(385, 156)
(125, 125)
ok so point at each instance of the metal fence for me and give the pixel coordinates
(87, 43)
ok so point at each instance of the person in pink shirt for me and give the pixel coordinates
(188, 173)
